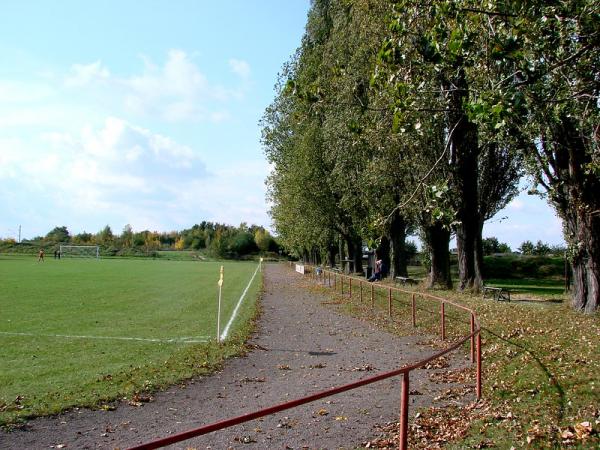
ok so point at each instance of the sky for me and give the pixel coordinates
(147, 114)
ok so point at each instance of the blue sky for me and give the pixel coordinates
(146, 113)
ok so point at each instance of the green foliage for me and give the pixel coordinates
(82, 238)
(240, 241)
(105, 236)
(58, 235)
(232, 243)
(527, 266)
(410, 247)
(527, 248)
(126, 237)
(264, 241)
(540, 249)
(434, 111)
(492, 245)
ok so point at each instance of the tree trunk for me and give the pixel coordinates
(358, 264)
(317, 252)
(398, 266)
(305, 256)
(576, 199)
(466, 237)
(383, 251)
(438, 241)
(464, 147)
(331, 255)
(355, 254)
(479, 269)
(584, 229)
(341, 254)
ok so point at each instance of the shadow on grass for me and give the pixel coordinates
(545, 302)
(551, 377)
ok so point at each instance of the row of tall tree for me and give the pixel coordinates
(400, 116)
(219, 240)
(491, 245)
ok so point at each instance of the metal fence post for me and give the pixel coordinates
(414, 311)
(479, 365)
(390, 302)
(360, 288)
(443, 314)
(350, 289)
(404, 413)
(342, 284)
(472, 338)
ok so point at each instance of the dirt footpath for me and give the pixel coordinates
(302, 346)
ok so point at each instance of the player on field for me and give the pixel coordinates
(41, 255)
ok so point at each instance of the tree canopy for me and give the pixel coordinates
(404, 115)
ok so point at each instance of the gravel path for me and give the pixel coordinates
(302, 346)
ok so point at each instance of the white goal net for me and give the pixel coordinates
(80, 251)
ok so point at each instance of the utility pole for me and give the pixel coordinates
(19, 240)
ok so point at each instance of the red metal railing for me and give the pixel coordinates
(324, 276)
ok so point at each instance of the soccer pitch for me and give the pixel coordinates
(82, 331)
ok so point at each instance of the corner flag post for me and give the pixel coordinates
(220, 283)
(260, 263)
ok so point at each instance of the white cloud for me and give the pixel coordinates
(118, 169)
(28, 116)
(240, 68)
(219, 116)
(176, 91)
(527, 217)
(516, 204)
(12, 149)
(229, 195)
(62, 161)
(21, 92)
(179, 78)
(85, 74)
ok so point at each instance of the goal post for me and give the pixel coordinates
(80, 251)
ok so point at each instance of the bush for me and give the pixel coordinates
(519, 266)
(491, 245)
(540, 248)
(232, 244)
(243, 244)
(27, 247)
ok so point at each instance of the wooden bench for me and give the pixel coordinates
(498, 294)
(405, 280)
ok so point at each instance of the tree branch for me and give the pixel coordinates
(402, 205)
(489, 13)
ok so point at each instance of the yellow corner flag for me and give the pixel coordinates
(221, 277)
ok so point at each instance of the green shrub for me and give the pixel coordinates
(522, 266)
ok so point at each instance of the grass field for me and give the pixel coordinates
(83, 331)
(533, 288)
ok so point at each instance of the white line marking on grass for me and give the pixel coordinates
(184, 340)
(232, 318)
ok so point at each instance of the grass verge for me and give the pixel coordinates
(541, 373)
